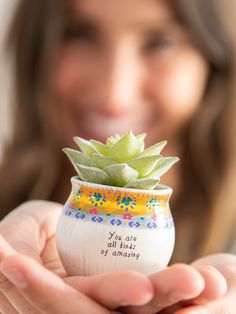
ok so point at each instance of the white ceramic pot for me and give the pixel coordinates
(106, 228)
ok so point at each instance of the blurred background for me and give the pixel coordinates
(6, 11)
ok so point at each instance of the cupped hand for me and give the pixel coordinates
(29, 241)
(179, 287)
(224, 266)
(33, 280)
(207, 286)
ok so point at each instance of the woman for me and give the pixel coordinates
(97, 68)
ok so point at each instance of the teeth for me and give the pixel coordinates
(110, 126)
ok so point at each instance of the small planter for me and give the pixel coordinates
(106, 228)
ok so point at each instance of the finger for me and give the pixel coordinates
(45, 291)
(215, 285)
(51, 260)
(12, 299)
(225, 304)
(115, 289)
(171, 285)
(215, 288)
(5, 249)
(224, 263)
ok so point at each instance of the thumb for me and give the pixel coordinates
(45, 291)
(29, 226)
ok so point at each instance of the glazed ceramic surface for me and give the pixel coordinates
(106, 228)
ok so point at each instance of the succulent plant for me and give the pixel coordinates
(123, 161)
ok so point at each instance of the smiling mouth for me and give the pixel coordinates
(97, 126)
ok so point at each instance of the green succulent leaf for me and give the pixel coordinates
(113, 140)
(102, 148)
(122, 161)
(92, 174)
(160, 187)
(86, 147)
(144, 165)
(77, 157)
(121, 174)
(103, 161)
(162, 166)
(141, 138)
(153, 150)
(144, 184)
(127, 147)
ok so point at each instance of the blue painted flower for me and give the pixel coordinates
(152, 225)
(97, 196)
(126, 200)
(68, 212)
(97, 219)
(151, 204)
(126, 203)
(116, 222)
(80, 215)
(153, 201)
(134, 224)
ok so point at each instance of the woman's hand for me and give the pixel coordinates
(33, 289)
(224, 264)
(41, 285)
(33, 280)
(218, 295)
(29, 241)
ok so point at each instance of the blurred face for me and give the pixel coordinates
(126, 64)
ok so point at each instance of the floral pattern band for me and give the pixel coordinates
(136, 222)
(113, 206)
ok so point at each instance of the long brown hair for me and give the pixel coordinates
(32, 164)
(30, 167)
(209, 161)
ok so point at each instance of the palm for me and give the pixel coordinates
(30, 230)
(33, 234)
(50, 258)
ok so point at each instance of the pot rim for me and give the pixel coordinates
(165, 190)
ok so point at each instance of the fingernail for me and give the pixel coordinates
(15, 276)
